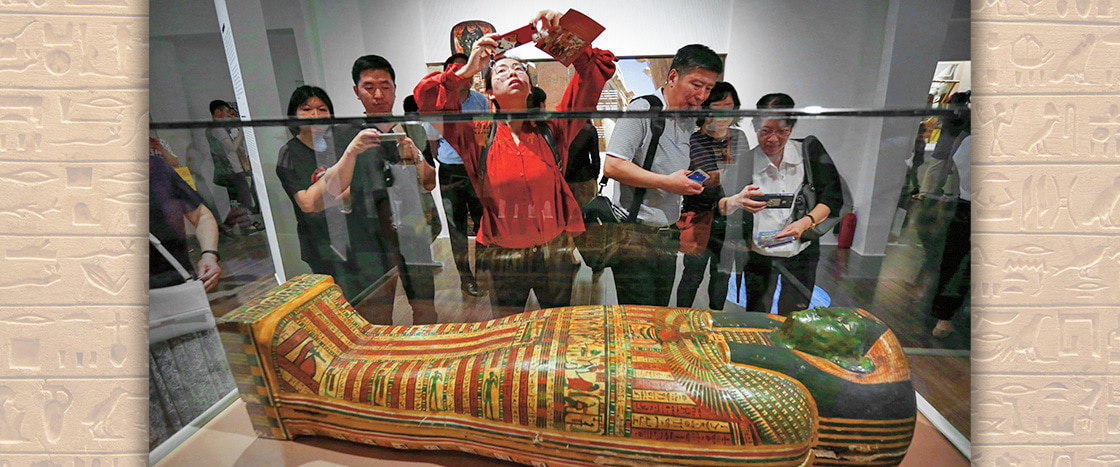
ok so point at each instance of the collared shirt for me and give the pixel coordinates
(786, 178)
(446, 154)
(526, 197)
(476, 102)
(630, 140)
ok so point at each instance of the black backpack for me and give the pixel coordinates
(656, 127)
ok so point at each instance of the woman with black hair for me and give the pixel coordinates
(529, 212)
(712, 148)
(317, 181)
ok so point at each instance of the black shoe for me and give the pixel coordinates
(471, 288)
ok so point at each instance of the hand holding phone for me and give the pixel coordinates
(395, 137)
(698, 176)
(777, 200)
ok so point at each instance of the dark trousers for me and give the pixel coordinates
(646, 265)
(459, 202)
(955, 275)
(548, 270)
(761, 277)
(240, 188)
(693, 273)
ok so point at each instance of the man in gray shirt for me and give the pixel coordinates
(646, 264)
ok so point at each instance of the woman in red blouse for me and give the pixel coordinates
(529, 214)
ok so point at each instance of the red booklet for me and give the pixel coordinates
(565, 43)
(575, 33)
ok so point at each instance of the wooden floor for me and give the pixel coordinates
(896, 287)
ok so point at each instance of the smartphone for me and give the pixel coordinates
(698, 176)
(392, 136)
(777, 200)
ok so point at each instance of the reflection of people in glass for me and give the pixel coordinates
(954, 276)
(316, 178)
(231, 165)
(711, 148)
(776, 166)
(460, 202)
(529, 213)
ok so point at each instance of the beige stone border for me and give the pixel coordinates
(1046, 354)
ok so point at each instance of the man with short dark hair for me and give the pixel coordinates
(473, 101)
(646, 264)
(387, 165)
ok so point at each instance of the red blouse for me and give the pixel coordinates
(525, 200)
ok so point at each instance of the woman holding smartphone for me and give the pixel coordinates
(316, 167)
(529, 214)
(773, 233)
(712, 148)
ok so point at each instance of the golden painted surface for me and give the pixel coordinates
(567, 384)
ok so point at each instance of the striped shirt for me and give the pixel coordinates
(708, 154)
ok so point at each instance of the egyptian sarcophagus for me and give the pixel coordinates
(585, 385)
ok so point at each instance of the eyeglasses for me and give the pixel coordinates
(503, 71)
(783, 132)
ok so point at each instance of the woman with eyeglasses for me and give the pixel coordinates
(781, 240)
(529, 214)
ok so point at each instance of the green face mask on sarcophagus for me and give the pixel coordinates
(584, 385)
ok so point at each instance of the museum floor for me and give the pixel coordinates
(889, 286)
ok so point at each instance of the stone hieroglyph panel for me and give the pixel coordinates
(73, 125)
(1047, 340)
(1046, 214)
(114, 341)
(1050, 58)
(73, 190)
(86, 197)
(80, 270)
(56, 51)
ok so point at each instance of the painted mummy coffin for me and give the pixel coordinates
(587, 385)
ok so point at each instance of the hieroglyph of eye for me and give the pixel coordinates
(1029, 249)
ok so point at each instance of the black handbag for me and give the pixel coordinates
(807, 197)
(605, 221)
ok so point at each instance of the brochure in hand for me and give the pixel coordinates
(564, 44)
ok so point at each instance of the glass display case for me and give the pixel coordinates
(852, 195)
